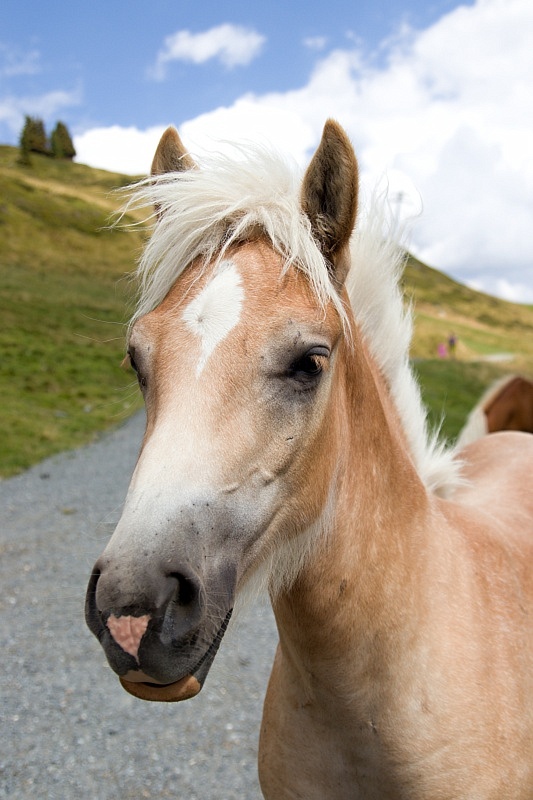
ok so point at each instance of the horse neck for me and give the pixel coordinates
(356, 588)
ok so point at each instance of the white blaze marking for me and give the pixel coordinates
(216, 310)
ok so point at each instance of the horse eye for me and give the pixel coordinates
(310, 365)
(133, 365)
(135, 368)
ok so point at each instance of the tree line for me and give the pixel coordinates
(34, 139)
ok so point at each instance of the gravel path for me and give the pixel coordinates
(68, 728)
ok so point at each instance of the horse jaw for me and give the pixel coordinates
(145, 688)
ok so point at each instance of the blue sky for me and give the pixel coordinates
(101, 52)
(436, 96)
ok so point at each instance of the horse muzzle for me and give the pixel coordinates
(154, 627)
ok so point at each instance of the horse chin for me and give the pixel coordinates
(145, 688)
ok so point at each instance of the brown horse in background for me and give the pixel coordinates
(506, 406)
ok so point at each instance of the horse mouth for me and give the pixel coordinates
(185, 688)
(142, 686)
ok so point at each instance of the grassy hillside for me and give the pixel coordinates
(494, 337)
(486, 326)
(64, 298)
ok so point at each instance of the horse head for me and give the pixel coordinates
(236, 360)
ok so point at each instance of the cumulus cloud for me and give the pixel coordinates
(447, 115)
(45, 106)
(232, 45)
(315, 42)
(14, 62)
(118, 149)
(501, 287)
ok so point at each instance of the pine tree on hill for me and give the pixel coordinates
(33, 137)
(61, 142)
(24, 144)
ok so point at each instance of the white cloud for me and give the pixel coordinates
(315, 42)
(448, 117)
(117, 149)
(45, 106)
(14, 63)
(514, 292)
(232, 45)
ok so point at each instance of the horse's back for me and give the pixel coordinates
(498, 477)
(493, 516)
(492, 583)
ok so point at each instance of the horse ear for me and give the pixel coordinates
(329, 196)
(171, 155)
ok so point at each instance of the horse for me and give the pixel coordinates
(507, 405)
(287, 448)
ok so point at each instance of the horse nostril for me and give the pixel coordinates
(188, 591)
(92, 615)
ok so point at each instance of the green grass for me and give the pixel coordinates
(451, 389)
(64, 299)
(63, 302)
(486, 327)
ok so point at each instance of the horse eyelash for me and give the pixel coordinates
(129, 363)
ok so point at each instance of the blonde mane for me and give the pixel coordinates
(203, 212)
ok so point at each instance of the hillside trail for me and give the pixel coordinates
(498, 358)
(69, 731)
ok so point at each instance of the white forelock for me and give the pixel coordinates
(203, 212)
